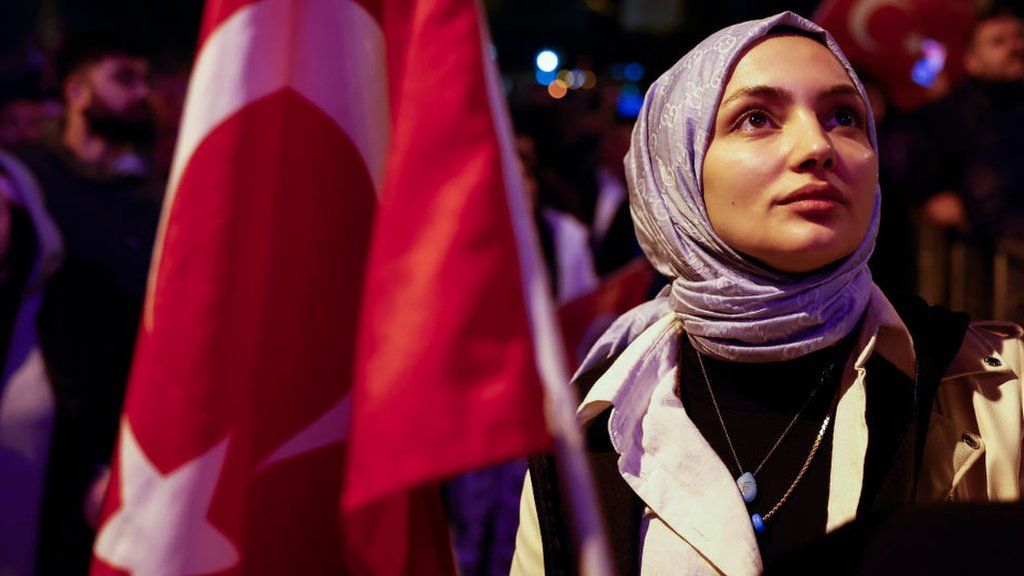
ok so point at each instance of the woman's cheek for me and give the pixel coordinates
(868, 176)
(747, 174)
(864, 188)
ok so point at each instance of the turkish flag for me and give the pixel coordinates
(313, 130)
(886, 38)
(457, 324)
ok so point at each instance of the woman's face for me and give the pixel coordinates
(790, 175)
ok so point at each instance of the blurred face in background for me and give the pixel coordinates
(21, 122)
(996, 51)
(790, 174)
(114, 94)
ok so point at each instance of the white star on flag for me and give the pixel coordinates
(161, 528)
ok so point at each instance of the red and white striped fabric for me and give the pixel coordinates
(301, 114)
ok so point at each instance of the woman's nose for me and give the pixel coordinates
(812, 146)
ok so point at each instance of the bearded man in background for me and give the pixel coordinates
(100, 191)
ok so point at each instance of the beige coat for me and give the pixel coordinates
(695, 521)
(973, 449)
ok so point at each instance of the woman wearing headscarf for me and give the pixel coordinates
(772, 393)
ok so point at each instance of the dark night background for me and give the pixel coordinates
(588, 33)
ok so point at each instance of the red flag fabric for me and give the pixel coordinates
(232, 441)
(447, 375)
(585, 318)
(886, 38)
(314, 129)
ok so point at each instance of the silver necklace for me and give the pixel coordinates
(746, 482)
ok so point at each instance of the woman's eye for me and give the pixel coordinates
(753, 121)
(847, 117)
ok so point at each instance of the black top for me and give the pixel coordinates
(108, 222)
(757, 402)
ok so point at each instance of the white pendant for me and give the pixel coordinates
(748, 487)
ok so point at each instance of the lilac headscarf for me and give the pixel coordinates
(730, 306)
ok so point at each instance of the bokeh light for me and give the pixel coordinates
(576, 79)
(544, 78)
(558, 89)
(630, 102)
(589, 80)
(547, 61)
(930, 65)
(633, 71)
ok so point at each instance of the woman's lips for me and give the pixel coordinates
(814, 199)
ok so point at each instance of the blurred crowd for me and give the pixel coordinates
(952, 181)
(86, 139)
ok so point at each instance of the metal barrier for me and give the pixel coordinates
(1008, 280)
(963, 275)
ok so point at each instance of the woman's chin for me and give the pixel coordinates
(809, 253)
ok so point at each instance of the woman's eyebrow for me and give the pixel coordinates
(839, 90)
(759, 91)
(783, 95)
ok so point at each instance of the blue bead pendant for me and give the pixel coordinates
(758, 522)
(747, 486)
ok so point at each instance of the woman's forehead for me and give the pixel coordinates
(786, 61)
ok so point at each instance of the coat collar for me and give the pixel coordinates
(883, 331)
(982, 351)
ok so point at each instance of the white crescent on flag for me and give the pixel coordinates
(284, 42)
(860, 16)
(280, 57)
